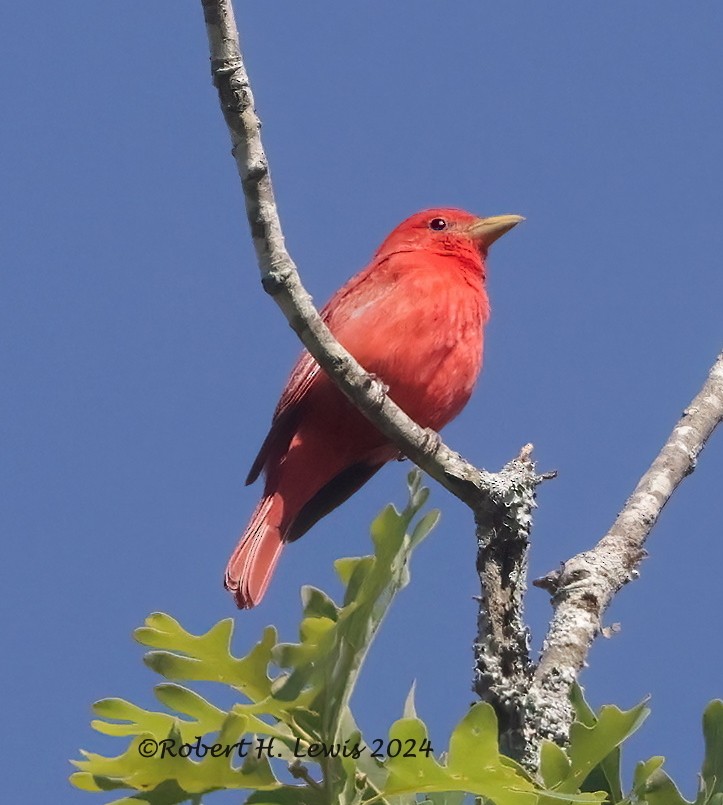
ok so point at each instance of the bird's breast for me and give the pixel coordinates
(422, 335)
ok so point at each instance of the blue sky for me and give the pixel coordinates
(142, 360)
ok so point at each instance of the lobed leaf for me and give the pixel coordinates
(712, 771)
(306, 701)
(594, 749)
(473, 765)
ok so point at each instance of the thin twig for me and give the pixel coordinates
(300, 772)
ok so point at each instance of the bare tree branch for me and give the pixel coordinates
(585, 585)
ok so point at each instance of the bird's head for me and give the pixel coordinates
(448, 231)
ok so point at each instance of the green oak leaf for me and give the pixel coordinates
(293, 692)
(712, 771)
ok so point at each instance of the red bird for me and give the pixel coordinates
(414, 317)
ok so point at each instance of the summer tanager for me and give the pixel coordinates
(414, 317)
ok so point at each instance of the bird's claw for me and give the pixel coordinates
(371, 379)
(432, 440)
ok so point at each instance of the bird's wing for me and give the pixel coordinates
(285, 420)
(341, 313)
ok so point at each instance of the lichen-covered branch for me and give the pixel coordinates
(503, 667)
(585, 585)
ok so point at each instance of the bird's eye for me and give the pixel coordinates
(437, 224)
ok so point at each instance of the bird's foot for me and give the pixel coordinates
(372, 379)
(431, 442)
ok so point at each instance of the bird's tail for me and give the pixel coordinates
(252, 564)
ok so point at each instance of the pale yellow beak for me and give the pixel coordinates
(486, 230)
